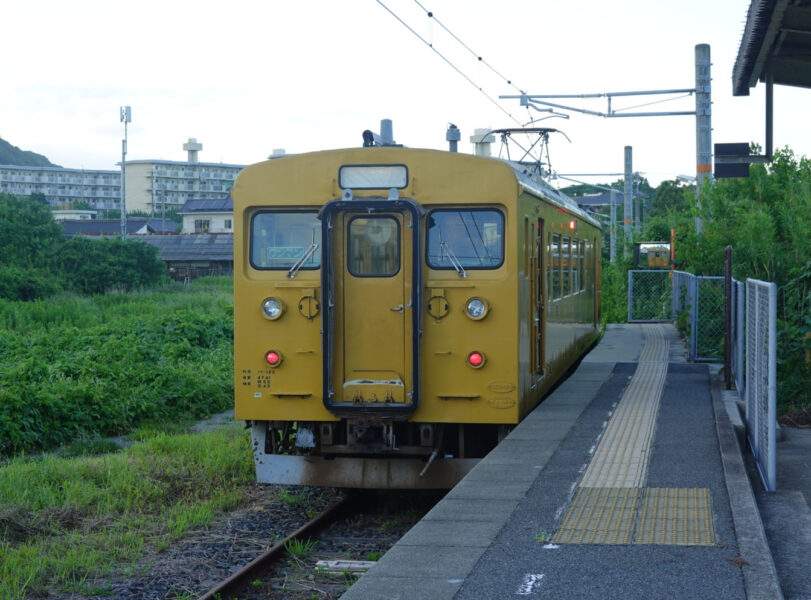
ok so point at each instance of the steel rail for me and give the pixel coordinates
(237, 581)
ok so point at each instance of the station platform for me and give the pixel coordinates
(627, 482)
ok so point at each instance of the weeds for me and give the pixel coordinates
(299, 549)
(65, 522)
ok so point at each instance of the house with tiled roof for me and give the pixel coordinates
(204, 215)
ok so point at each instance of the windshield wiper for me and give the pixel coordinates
(454, 261)
(302, 259)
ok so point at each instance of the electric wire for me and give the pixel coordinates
(616, 110)
(450, 64)
(431, 15)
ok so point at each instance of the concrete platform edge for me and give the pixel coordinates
(759, 572)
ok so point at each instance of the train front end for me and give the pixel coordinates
(366, 351)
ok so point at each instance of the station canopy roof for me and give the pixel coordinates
(779, 30)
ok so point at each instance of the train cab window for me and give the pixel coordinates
(473, 239)
(374, 246)
(565, 266)
(281, 238)
(555, 249)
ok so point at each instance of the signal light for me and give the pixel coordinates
(476, 359)
(273, 358)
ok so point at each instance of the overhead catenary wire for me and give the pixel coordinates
(431, 15)
(448, 61)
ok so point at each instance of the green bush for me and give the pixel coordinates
(96, 266)
(80, 367)
(26, 284)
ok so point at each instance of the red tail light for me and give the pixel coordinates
(273, 358)
(476, 359)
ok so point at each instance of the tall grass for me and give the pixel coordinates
(69, 524)
(89, 366)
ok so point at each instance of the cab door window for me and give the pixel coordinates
(374, 246)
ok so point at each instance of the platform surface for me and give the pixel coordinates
(627, 482)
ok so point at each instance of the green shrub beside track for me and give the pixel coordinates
(99, 366)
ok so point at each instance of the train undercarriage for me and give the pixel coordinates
(368, 452)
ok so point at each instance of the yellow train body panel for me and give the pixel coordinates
(394, 303)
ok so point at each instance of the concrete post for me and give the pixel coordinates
(628, 205)
(703, 124)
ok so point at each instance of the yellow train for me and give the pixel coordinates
(397, 311)
(652, 255)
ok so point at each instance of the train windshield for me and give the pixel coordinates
(282, 239)
(473, 239)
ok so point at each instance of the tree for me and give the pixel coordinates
(96, 266)
(28, 233)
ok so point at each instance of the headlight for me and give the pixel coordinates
(272, 308)
(477, 308)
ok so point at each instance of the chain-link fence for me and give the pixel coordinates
(761, 377)
(696, 304)
(708, 319)
(649, 296)
(737, 336)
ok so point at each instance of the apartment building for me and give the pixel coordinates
(153, 184)
(100, 189)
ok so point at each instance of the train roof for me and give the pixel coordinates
(531, 182)
(525, 175)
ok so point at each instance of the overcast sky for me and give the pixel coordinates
(247, 77)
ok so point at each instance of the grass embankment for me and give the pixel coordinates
(74, 370)
(84, 367)
(69, 524)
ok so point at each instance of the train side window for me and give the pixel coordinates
(549, 264)
(576, 273)
(374, 246)
(280, 238)
(555, 266)
(565, 266)
(582, 265)
(472, 238)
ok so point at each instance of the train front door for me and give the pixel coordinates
(373, 348)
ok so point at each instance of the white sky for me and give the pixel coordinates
(246, 77)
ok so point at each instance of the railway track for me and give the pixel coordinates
(325, 556)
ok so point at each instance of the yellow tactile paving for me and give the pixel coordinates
(599, 516)
(611, 505)
(678, 516)
(621, 458)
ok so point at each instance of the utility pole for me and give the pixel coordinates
(702, 113)
(126, 117)
(612, 249)
(628, 206)
(703, 125)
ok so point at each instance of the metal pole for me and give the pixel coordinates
(126, 117)
(703, 124)
(769, 108)
(728, 318)
(740, 375)
(613, 228)
(628, 205)
(771, 468)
